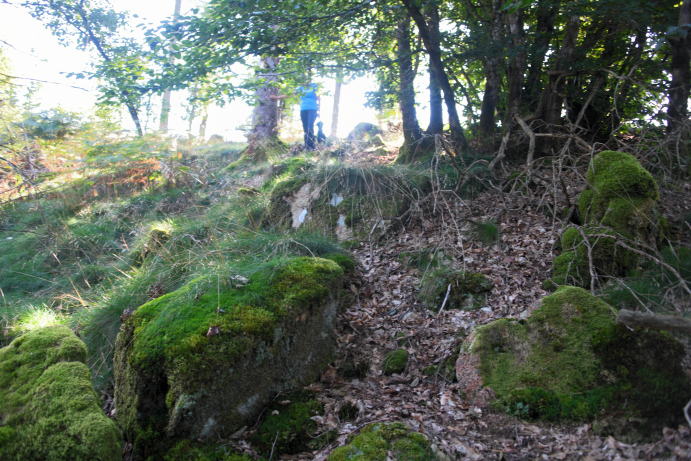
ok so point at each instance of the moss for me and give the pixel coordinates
(289, 429)
(48, 409)
(176, 324)
(165, 344)
(191, 450)
(376, 441)
(342, 260)
(615, 176)
(573, 266)
(396, 362)
(570, 361)
(279, 213)
(467, 289)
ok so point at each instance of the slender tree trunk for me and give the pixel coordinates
(433, 50)
(202, 125)
(491, 93)
(547, 12)
(516, 67)
(436, 116)
(264, 135)
(165, 102)
(677, 111)
(406, 90)
(337, 102)
(557, 81)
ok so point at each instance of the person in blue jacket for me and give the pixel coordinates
(309, 110)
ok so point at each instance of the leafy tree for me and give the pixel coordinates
(94, 24)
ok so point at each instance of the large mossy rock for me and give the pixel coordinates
(385, 441)
(48, 407)
(352, 204)
(206, 359)
(620, 200)
(570, 361)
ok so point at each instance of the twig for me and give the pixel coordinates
(272, 446)
(686, 413)
(446, 298)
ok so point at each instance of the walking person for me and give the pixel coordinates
(309, 110)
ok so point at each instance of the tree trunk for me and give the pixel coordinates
(433, 50)
(406, 93)
(165, 102)
(677, 110)
(337, 101)
(202, 125)
(263, 138)
(436, 116)
(547, 12)
(489, 99)
(557, 81)
(516, 67)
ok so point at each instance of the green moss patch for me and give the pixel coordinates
(376, 441)
(288, 428)
(191, 450)
(468, 289)
(396, 362)
(48, 408)
(570, 361)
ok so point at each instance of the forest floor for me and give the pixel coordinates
(387, 315)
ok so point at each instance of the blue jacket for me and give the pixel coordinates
(308, 97)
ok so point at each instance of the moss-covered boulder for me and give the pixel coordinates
(570, 361)
(206, 359)
(48, 407)
(376, 441)
(350, 203)
(468, 290)
(620, 200)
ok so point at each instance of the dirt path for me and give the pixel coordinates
(386, 315)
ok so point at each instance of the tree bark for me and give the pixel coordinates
(677, 110)
(547, 12)
(516, 67)
(491, 93)
(654, 321)
(555, 89)
(406, 90)
(165, 101)
(337, 102)
(433, 50)
(436, 117)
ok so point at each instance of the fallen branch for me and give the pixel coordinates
(654, 321)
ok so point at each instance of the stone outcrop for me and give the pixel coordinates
(48, 407)
(570, 361)
(201, 362)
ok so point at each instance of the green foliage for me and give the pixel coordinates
(52, 124)
(48, 408)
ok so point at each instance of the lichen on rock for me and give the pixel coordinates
(177, 375)
(48, 408)
(376, 441)
(570, 361)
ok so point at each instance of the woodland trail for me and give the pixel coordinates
(386, 315)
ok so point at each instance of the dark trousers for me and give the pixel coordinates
(308, 118)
